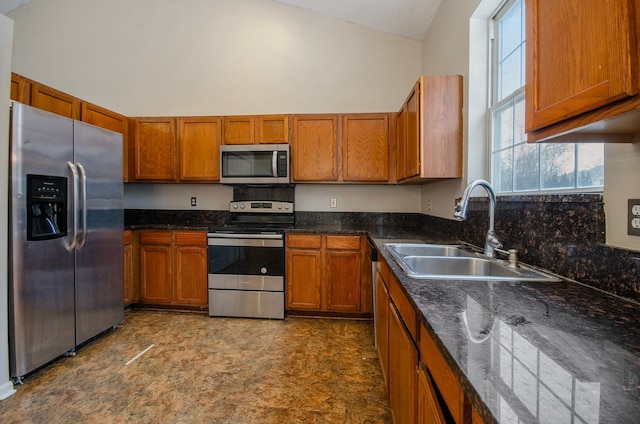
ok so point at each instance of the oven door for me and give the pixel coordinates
(246, 262)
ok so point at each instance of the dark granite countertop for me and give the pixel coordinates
(532, 352)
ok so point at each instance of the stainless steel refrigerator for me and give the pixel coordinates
(66, 236)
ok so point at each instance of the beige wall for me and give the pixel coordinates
(216, 57)
(456, 43)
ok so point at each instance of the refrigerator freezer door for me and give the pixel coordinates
(99, 254)
(41, 283)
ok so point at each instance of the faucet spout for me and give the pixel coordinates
(491, 242)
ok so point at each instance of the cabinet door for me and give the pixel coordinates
(566, 75)
(303, 279)
(190, 267)
(429, 410)
(440, 112)
(191, 275)
(20, 89)
(365, 147)
(155, 149)
(128, 268)
(382, 327)
(273, 129)
(155, 274)
(46, 98)
(343, 273)
(199, 141)
(239, 130)
(401, 144)
(413, 136)
(104, 118)
(442, 376)
(315, 148)
(403, 362)
(342, 280)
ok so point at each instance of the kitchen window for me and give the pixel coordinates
(515, 165)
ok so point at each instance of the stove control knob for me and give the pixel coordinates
(263, 270)
(235, 206)
(241, 205)
(287, 207)
(279, 206)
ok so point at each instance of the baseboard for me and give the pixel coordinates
(6, 390)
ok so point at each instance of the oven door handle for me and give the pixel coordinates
(244, 236)
(246, 242)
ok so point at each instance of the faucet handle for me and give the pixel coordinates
(493, 241)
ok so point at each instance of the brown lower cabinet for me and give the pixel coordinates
(129, 280)
(325, 273)
(173, 268)
(403, 364)
(421, 386)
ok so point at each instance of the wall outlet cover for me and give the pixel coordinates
(633, 217)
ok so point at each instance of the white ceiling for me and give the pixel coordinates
(7, 6)
(406, 18)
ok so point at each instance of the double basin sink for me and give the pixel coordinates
(458, 262)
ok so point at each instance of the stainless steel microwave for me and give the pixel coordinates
(254, 164)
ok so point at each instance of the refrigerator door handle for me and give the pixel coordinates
(83, 206)
(73, 176)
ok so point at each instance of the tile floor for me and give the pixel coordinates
(211, 370)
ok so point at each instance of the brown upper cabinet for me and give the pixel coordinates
(177, 149)
(365, 147)
(340, 148)
(314, 148)
(20, 89)
(32, 93)
(272, 129)
(429, 131)
(261, 129)
(199, 144)
(582, 71)
(104, 118)
(239, 129)
(155, 149)
(52, 100)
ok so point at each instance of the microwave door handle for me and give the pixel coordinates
(274, 164)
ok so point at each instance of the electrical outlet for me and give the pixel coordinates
(334, 202)
(633, 221)
(193, 201)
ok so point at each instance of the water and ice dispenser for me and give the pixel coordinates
(46, 207)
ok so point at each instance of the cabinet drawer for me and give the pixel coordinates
(304, 241)
(343, 242)
(127, 237)
(190, 238)
(404, 306)
(442, 375)
(155, 237)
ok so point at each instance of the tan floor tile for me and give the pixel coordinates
(211, 370)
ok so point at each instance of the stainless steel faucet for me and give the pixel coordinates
(491, 243)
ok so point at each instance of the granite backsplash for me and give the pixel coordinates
(562, 233)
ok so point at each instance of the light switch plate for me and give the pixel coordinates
(633, 221)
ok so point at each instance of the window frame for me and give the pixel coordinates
(496, 105)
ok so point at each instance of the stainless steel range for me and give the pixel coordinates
(246, 260)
